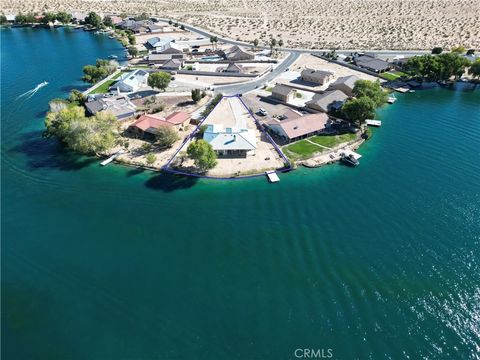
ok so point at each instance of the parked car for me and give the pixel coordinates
(262, 112)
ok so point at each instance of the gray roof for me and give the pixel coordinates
(318, 74)
(327, 100)
(370, 62)
(347, 80)
(281, 89)
(171, 64)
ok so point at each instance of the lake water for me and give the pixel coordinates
(379, 261)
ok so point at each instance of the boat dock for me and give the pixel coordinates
(111, 158)
(272, 176)
(376, 123)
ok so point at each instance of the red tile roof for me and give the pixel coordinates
(178, 117)
(145, 122)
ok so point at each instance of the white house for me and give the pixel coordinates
(230, 140)
(132, 81)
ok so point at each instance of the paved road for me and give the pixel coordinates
(259, 82)
(294, 54)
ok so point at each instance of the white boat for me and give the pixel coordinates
(391, 99)
(113, 57)
(350, 158)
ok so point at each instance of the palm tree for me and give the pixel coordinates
(273, 43)
(255, 43)
(280, 43)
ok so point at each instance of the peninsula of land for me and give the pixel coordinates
(188, 101)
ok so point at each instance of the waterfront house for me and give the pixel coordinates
(146, 127)
(283, 93)
(345, 84)
(78, 17)
(299, 127)
(231, 141)
(320, 77)
(236, 53)
(132, 81)
(329, 100)
(179, 119)
(116, 19)
(119, 106)
(372, 64)
(135, 26)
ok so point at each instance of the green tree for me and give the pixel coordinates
(182, 27)
(255, 43)
(470, 52)
(370, 89)
(475, 69)
(166, 136)
(88, 135)
(273, 43)
(20, 19)
(280, 43)
(359, 109)
(132, 50)
(3, 19)
(93, 74)
(30, 18)
(76, 97)
(196, 95)
(142, 16)
(131, 39)
(63, 17)
(93, 19)
(151, 158)
(107, 21)
(170, 22)
(459, 49)
(159, 80)
(437, 50)
(202, 154)
(99, 71)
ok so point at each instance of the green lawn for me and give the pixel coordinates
(303, 149)
(332, 140)
(392, 75)
(102, 89)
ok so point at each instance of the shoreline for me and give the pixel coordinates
(317, 160)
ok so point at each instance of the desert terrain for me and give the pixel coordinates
(320, 24)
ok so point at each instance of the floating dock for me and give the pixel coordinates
(376, 123)
(272, 176)
(111, 158)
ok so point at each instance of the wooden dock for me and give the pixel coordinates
(376, 123)
(111, 158)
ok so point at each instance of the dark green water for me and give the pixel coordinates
(380, 261)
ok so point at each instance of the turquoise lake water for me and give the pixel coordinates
(380, 261)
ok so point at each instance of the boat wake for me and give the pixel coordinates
(28, 94)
